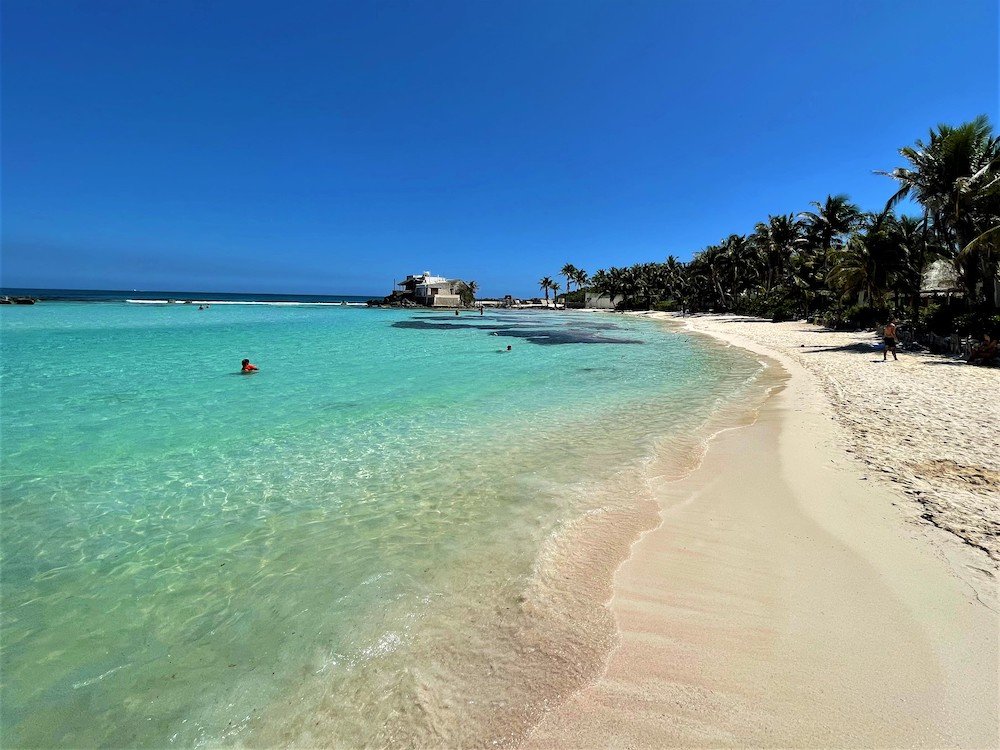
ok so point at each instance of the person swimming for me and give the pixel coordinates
(248, 367)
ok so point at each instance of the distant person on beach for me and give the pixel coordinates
(889, 337)
(248, 368)
(456, 312)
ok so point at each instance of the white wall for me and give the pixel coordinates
(601, 302)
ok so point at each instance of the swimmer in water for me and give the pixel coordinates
(248, 368)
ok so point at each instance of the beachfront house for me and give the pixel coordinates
(432, 291)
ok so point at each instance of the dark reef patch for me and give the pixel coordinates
(543, 337)
(594, 326)
(548, 338)
(425, 325)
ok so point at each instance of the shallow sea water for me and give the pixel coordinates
(394, 534)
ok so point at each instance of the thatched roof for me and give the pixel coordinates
(940, 277)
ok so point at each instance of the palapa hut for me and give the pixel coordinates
(940, 278)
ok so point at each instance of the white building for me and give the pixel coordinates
(433, 291)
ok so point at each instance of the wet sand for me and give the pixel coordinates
(790, 598)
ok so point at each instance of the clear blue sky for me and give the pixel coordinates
(328, 147)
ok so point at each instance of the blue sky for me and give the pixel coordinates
(329, 147)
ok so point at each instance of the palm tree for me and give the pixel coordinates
(580, 278)
(555, 294)
(569, 271)
(983, 255)
(906, 234)
(805, 278)
(608, 283)
(776, 240)
(836, 217)
(857, 273)
(950, 175)
(545, 283)
(872, 262)
(955, 177)
(467, 291)
(672, 277)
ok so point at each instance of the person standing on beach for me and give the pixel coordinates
(889, 337)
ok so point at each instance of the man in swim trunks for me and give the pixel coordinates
(889, 337)
(247, 367)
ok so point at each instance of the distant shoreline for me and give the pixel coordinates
(122, 295)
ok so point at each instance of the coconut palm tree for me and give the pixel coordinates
(951, 176)
(672, 273)
(734, 254)
(545, 283)
(776, 240)
(608, 283)
(569, 271)
(554, 286)
(580, 278)
(871, 263)
(833, 219)
(983, 255)
(955, 177)
(857, 273)
(467, 291)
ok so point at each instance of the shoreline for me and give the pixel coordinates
(813, 612)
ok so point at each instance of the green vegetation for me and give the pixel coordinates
(545, 283)
(843, 267)
(467, 292)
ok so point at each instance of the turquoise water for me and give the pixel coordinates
(355, 545)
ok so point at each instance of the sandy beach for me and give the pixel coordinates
(826, 577)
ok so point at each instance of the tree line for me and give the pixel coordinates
(839, 265)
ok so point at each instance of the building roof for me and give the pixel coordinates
(423, 278)
(940, 277)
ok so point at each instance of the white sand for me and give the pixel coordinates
(929, 423)
(792, 597)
